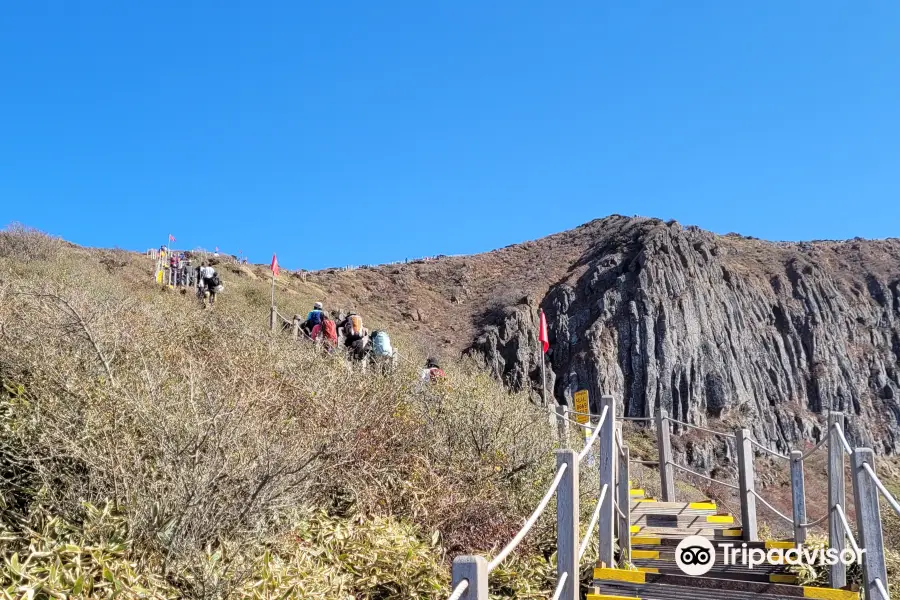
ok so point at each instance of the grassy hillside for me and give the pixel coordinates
(151, 448)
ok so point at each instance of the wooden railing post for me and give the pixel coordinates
(624, 500)
(868, 522)
(562, 424)
(296, 331)
(798, 495)
(666, 472)
(605, 452)
(836, 497)
(475, 570)
(617, 489)
(567, 524)
(273, 318)
(746, 485)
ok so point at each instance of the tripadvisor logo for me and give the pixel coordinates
(800, 555)
(696, 555)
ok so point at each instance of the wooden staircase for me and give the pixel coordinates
(656, 530)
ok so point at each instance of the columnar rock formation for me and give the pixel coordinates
(718, 328)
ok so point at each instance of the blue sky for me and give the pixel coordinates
(362, 132)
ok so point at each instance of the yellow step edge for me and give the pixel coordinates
(608, 597)
(732, 532)
(636, 492)
(645, 500)
(638, 540)
(635, 528)
(771, 544)
(829, 594)
(652, 570)
(626, 575)
(702, 505)
(720, 519)
(783, 578)
(650, 554)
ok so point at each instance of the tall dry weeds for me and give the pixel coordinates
(207, 434)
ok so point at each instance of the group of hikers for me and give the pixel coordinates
(330, 331)
(181, 273)
(364, 346)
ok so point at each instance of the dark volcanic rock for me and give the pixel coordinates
(719, 328)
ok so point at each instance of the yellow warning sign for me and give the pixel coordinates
(582, 406)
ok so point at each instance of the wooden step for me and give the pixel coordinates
(764, 573)
(651, 542)
(707, 530)
(683, 521)
(666, 555)
(664, 586)
(685, 592)
(672, 508)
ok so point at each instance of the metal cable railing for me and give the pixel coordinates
(530, 522)
(884, 491)
(560, 585)
(772, 452)
(814, 523)
(620, 444)
(772, 508)
(812, 450)
(459, 590)
(593, 523)
(686, 470)
(634, 419)
(593, 438)
(701, 428)
(880, 586)
(565, 416)
(847, 531)
(844, 442)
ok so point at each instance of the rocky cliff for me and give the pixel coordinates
(717, 329)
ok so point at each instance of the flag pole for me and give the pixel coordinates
(543, 357)
(544, 375)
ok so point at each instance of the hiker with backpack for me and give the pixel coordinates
(313, 318)
(326, 331)
(381, 351)
(209, 284)
(353, 329)
(432, 373)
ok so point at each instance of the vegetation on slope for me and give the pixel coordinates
(150, 448)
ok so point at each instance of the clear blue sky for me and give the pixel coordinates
(444, 127)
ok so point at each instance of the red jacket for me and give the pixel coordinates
(330, 332)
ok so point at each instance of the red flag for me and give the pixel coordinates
(274, 266)
(171, 238)
(543, 338)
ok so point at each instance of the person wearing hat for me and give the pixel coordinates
(313, 318)
(432, 372)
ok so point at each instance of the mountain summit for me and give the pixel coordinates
(769, 335)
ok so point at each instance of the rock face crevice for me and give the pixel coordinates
(712, 328)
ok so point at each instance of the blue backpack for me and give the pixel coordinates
(314, 318)
(381, 344)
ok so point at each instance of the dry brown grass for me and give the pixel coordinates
(206, 434)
